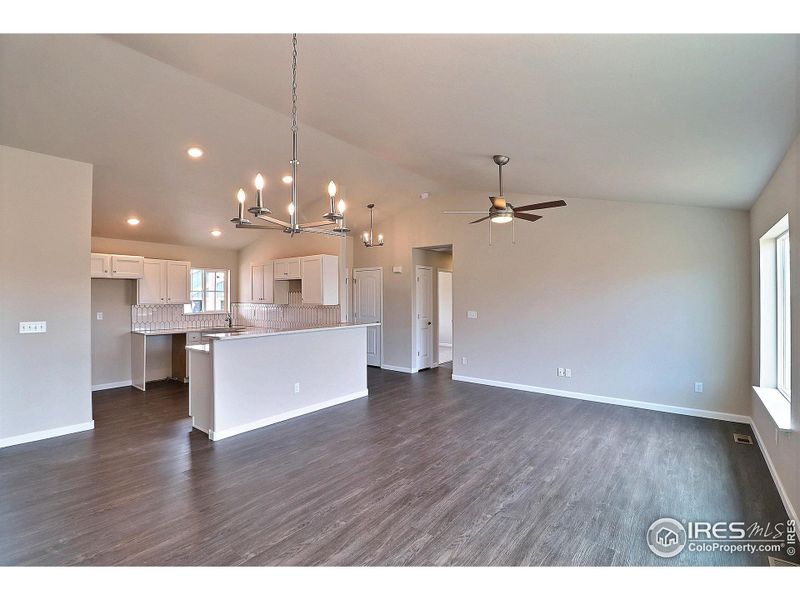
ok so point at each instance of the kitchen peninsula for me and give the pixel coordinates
(245, 380)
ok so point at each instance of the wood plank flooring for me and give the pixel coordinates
(426, 471)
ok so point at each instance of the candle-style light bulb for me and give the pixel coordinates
(331, 189)
(241, 197)
(341, 206)
(291, 208)
(380, 238)
(259, 187)
(366, 236)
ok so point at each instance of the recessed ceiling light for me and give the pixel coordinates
(133, 221)
(287, 179)
(216, 232)
(424, 195)
(195, 152)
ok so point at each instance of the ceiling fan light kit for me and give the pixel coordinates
(334, 218)
(502, 211)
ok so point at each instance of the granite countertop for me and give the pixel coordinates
(180, 330)
(205, 348)
(252, 332)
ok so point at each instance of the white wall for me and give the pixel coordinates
(639, 300)
(780, 196)
(45, 379)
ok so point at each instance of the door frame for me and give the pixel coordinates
(414, 358)
(438, 311)
(352, 312)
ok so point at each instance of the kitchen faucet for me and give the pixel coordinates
(229, 320)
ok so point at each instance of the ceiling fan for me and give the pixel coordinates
(501, 211)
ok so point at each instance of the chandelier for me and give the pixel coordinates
(332, 222)
(369, 239)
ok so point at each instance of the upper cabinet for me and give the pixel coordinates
(164, 282)
(287, 268)
(262, 283)
(116, 266)
(320, 280)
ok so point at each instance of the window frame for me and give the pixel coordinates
(783, 314)
(187, 308)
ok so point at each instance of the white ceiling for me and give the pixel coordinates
(700, 120)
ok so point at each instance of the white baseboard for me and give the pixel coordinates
(45, 434)
(396, 368)
(668, 408)
(111, 385)
(787, 504)
(231, 431)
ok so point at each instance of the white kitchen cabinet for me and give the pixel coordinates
(101, 265)
(116, 266)
(164, 282)
(178, 273)
(287, 268)
(320, 281)
(262, 283)
(127, 267)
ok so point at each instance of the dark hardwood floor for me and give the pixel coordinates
(425, 471)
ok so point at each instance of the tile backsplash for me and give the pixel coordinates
(283, 315)
(154, 317)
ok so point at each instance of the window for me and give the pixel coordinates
(208, 291)
(784, 316)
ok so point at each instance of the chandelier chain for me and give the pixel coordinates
(294, 82)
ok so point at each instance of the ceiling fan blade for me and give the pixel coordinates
(464, 212)
(541, 205)
(479, 220)
(527, 217)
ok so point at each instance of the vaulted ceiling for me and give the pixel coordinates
(698, 120)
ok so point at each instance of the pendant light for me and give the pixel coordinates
(369, 240)
(334, 218)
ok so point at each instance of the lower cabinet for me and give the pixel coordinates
(164, 282)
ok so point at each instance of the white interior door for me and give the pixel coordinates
(424, 306)
(368, 308)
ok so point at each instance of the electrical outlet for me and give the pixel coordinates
(568, 372)
(698, 387)
(463, 360)
(33, 326)
(296, 388)
(472, 314)
(561, 372)
(99, 316)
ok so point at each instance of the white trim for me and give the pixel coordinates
(774, 473)
(111, 385)
(777, 406)
(291, 414)
(396, 368)
(445, 344)
(45, 434)
(668, 408)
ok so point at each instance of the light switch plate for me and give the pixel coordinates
(698, 387)
(397, 269)
(472, 314)
(567, 372)
(33, 326)
(99, 316)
